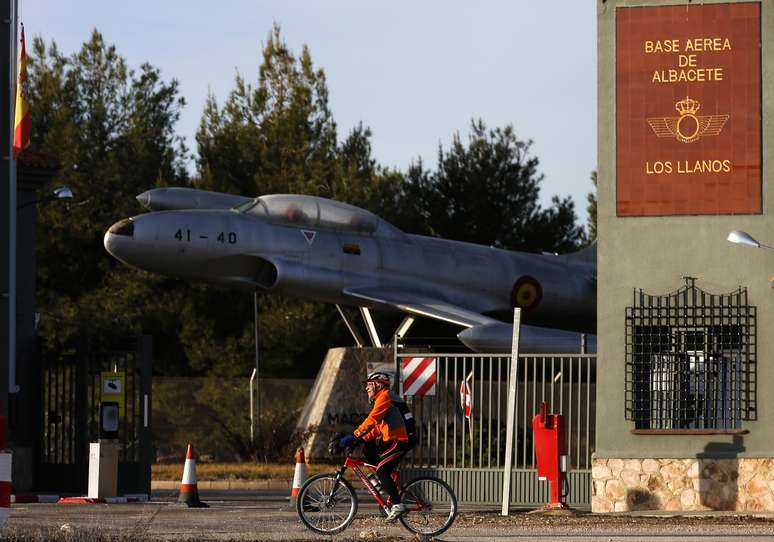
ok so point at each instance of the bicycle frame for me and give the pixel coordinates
(355, 464)
(327, 508)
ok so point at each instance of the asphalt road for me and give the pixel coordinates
(266, 515)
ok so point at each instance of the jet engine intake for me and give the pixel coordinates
(265, 274)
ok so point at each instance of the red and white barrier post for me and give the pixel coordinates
(6, 463)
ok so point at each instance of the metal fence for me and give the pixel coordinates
(69, 414)
(690, 359)
(469, 452)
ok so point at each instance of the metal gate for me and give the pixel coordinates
(470, 453)
(71, 395)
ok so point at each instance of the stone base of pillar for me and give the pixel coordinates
(622, 485)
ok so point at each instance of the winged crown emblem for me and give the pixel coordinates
(689, 126)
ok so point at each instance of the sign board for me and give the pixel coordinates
(418, 376)
(113, 389)
(688, 109)
(466, 398)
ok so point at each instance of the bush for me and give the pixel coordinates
(214, 415)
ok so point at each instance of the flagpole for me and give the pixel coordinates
(11, 386)
(7, 203)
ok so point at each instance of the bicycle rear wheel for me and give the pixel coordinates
(431, 504)
(323, 509)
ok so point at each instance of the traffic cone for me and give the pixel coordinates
(299, 477)
(189, 492)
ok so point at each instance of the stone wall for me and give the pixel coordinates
(621, 485)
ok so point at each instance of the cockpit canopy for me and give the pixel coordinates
(314, 212)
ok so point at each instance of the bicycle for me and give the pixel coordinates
(327, 503)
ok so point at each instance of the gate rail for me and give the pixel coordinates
(69, 417)
(470, 453)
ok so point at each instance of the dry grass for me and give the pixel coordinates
(67, 534)
(237, 471)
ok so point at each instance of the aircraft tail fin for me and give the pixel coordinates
(588, 254)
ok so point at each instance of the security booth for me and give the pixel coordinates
(684, 93)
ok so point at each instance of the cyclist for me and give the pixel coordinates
(388, 433)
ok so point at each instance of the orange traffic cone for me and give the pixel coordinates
(189, 492)
(299, 477)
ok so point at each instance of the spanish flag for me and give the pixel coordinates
(21, 132)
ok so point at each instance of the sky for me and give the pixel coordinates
(415, 72)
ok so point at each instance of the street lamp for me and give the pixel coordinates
(63, 192)
(743, 238)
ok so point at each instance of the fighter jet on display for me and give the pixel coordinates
(332, 252)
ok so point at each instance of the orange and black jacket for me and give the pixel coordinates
(389, 420)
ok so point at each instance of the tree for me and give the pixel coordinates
(591, 208)
(112, 131)
(364, 183)
(487, 192)
(275, 137)
(278, 136)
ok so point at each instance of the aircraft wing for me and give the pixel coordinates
(483, 334)
(421, 305)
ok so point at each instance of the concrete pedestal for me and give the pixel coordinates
(103, 469)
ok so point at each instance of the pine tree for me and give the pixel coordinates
(111, 129)
(487, 192)
(591, 208)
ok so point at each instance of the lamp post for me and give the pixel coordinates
(63, 192)
(25, 283)
(743, 238)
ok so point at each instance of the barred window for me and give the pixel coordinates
(690, 359)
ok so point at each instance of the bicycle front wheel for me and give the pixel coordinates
(431, 506)
(325, 505)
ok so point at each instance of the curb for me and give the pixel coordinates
(225, 484)
(106, 500)
(32, 498)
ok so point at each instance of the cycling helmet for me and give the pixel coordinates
(378, 376)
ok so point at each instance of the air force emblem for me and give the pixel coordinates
(688, 127)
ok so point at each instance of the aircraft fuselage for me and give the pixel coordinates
(240, 250)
